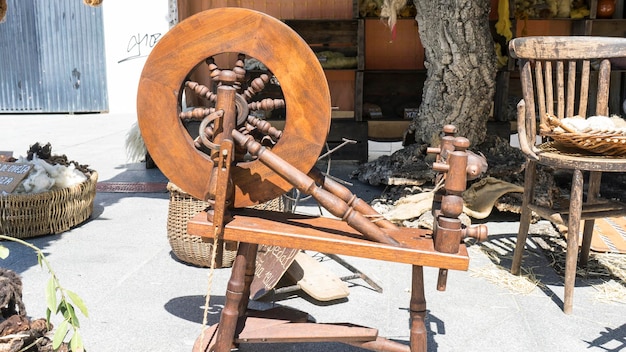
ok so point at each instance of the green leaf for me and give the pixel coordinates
(78, 302)
(71, 314)
(48, 314)
(4, 252)
(59, 335)
(63, 310)
(51, 295)
(76, 343)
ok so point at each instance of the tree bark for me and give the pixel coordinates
(461, 65)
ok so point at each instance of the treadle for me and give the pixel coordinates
(329, 235)
(284, 324)
(267, 330)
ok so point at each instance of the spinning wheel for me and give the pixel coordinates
(281, 50)
(231, 168)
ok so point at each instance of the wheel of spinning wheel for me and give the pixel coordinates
(287, 57)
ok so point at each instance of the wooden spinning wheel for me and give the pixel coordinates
(232, 30)
(237, 170)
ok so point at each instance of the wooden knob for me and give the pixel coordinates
(227, 77)
(479, 232)
(441, 167)
(461, 143)
(450, 130)
(452, 205)
(433, 150)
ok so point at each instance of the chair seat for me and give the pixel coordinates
(555, 155)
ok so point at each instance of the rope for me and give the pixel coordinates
(209, 284)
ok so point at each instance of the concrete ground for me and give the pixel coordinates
(141, 298)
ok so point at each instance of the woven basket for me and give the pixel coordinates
(187, 248)
(608, 143)
(51, 212)
(192, 249)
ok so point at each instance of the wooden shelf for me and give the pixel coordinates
(382, 52)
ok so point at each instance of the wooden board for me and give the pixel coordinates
(271, 264)
(329, 236)
(316, 279)
(11, 174)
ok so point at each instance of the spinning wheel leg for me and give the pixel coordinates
(236, 296)
(418, 311)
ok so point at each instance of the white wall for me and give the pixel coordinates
(131, 29)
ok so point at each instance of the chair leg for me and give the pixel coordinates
(573, 228)
(593, 193)
(522, 234)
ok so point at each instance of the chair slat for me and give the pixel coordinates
(604, 79)
(571, 89)
(560, 89)
(584, 89)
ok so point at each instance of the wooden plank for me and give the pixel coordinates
(257, 330)
(271, 264)
(11, 174)
(329, 236)
(316, 279)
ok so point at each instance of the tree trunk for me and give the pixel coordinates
(461, 64)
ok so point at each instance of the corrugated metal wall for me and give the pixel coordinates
(52, 58)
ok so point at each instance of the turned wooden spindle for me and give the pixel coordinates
(351, 199)
(215, 71)
(265, 127)
(196, 113)
(239, 69)
(201, 90)
(257, 85)
(456, 167)
(306, 185)
(267, 104)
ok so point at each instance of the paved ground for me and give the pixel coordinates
(141, 298)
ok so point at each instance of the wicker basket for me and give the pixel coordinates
(187, 248)
(52, 212)
(608, 143)
(192, 249)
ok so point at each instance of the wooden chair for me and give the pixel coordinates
(563, 77)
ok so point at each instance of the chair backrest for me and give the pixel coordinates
(556, 75)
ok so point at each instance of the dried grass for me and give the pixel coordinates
(610, 292)
(523, 284)
(608, 269)
(500, 276)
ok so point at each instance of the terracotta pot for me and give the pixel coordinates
(605, 9)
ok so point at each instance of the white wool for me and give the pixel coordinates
(135, 147)
(44, 177)
(576, 123)
(38, 179)
(68, 176)
(618, 121)
(600, 123)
